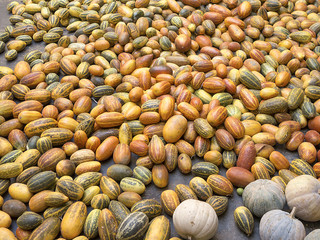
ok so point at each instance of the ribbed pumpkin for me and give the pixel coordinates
(262, 196)
(195, 220)
(277, 224)
(314, 235)
(302, 192)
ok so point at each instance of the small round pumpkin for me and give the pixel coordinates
(278, 224)
(314, 235)
(195, 220)
(303, 192)
(262, 196)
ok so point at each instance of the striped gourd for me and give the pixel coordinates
(62, 90)
(308, 110)
(90, 228)
(123, 96)
(133, 226)
(4, 185)
(269, 166)
(56, 211)
(58, 136)
(225, 99)
(23, 30)
(280, 181)
(244, 219)
(204, 169)
(38, 126)
(184, 192)
(313, 92)
(83, 70)
(89, 29)
(110, 187)
(44, 144)
(159, 229)
(150, 207)
(28, 158)
(107, 225)
(150, 106)
(219, 203)
(143, 174)
(41, 95)
(41, 181)
(64, 41)
(11, 55)
(287, 175)
(169, 201)
(220, 185)
(58, 30)
(27, 174)
(26, 38)
(301, 167)
(51, 37)
(101, 91)
(119, 210)
(73, 190)
(88, 179)
(100, 201)
(201, 188)
(33, 55)
(260, 171)
(30, 105)
(48, 230)
(89, 193)
(114, 18)
(4, 36)
(19, 91)
(38, 36)
(129, 184)
(86, 125)
(10, 156)
(136, 127)
(250, 80)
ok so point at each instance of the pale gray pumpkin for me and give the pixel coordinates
(314, 235)
(262, 196)
(303, 192)
(278, 224)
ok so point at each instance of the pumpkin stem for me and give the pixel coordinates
(293, 212)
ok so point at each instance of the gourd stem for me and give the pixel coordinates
(189, 238)
(293, 212)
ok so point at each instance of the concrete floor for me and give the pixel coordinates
(227, 228)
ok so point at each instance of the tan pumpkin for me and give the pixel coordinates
(195, 220)
(303, 192)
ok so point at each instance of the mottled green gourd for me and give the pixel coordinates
(262, 196)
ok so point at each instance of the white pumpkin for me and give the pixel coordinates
(195, 220)
(303, 192)
(277, 224)
(314, 235)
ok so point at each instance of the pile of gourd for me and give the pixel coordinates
(154, 84)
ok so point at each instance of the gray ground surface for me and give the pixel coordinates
(227, 227)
